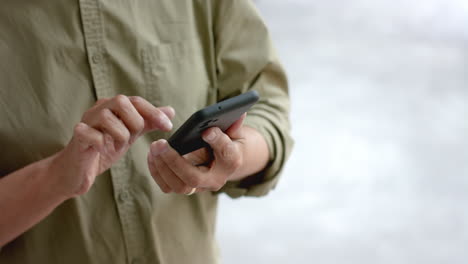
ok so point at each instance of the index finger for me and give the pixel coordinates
(155, 117)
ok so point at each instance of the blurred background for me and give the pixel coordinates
(379, 173)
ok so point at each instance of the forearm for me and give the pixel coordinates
(26, 197)
(255, 154)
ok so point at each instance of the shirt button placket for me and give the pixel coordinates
(93, 31)
(124, 196)
(96, 58)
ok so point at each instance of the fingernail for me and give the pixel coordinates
(159, 147)
(167, 124)
(210, 136)
(172, 111)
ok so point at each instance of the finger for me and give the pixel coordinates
(200, 157)
(199, 190)
(176, 184)
(154, 117)
(113, 126)
(169, 111)
(156, 176)
(226, 152)
(88, 137)
(234, 130)
(101, 101)
(124, 109)
(188, 173)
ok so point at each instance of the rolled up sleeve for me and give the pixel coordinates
(246, 60)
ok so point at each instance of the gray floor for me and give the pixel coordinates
(379, 173)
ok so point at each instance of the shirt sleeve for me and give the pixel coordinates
(246, 60)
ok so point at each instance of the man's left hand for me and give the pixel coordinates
(183, 174)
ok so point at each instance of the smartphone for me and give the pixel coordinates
(223, 114)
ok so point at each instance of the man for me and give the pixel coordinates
(90, 87)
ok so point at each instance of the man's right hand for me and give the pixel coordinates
(105, 133)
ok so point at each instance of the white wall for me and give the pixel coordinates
(379, 173)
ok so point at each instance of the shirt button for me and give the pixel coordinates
(96, 58)
(124, 196)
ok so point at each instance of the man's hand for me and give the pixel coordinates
(105, 133)
(180, 174)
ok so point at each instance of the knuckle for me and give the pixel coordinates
(139, 124)
(121, 100)
(158, 118)
(165, 189)
(124, 135)
(98, 143)
(159, 114)
(77, 129)
(105, 115)
(136, 99)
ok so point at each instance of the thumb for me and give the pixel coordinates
(234, 131)
(227, 154)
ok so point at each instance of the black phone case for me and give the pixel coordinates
(223, 114)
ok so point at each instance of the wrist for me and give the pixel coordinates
(52, 177)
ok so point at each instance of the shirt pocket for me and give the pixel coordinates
(176, 74)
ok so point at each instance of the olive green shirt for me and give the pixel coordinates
(58, 57)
